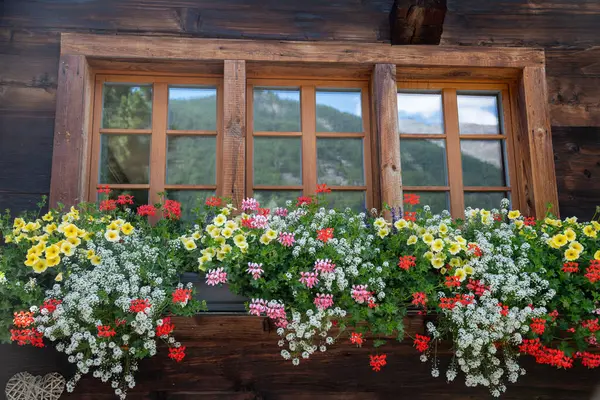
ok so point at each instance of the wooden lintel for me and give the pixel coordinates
(417, 21)
(175, 48)
(234, 130)
(384, 89)
(70, 150)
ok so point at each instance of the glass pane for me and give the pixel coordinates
(191, 160)
(478, 114)
(487, 200)
(423, 162)
(193, 108)
(339, 111)
(339, 200)
(277, 161)
(482, 162)
(127, 106)
(189, 200)
(420, 113)
(276, 198)
(140, 196)
(340, 162)
(276, 110)
(124, 159)
(437, 201)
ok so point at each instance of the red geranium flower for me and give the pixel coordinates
(146, 210)
(570, 267)
(530, 221)
(323, 188)
(452, 281)
(106, 331)
(166, 328)
(419, 299)
(593, 271)
(213, 201)
(103, 189)
(538, 325)
(378, 361)
(422, 342)
(405, 262)
(303, 200)
(172, 209)
(410, 216)
(177, 353)
(325, 234)
(50, 305)
(411, 198)
(139, 305)
(23, 319)
(182, 296)
(108, 205)
(356, 338)
(125, 199)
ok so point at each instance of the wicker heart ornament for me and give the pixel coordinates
(24, 386)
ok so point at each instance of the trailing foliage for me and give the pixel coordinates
(500, 284)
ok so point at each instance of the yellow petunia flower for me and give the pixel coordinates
(59, 277)
(469, 270)
(571, 254)
(454, 262)
(89, 254)
(96, 260)
(190, 245)
(461, 273)
(88, 236)
(596, 225)
(411, 240)
(437, 262)
(437, 245)
(443, 270)
(29, 227)
(383, 232)
(379, 223)
(74, 241)
(271, 234)
(196, 235)
(577, 246)
(454, 248)
(589, 231)
(8, 239)
(48, 217)
(226, 233)
(400, 224)
(519, 224)
(127, 229)
(231, 225)
(226, 249)
(239, 240)
(428, 255)
(113, 226)
(220, 240)
(67, 249)
(559, 240)
(427, 238)
(219, 220)
(70, 231)
(220, 255)
(443, 229)
(264, 239)
(52, 262)
(597, 255)
(225, 211)
(570, 234)
(112, 235)
(40, 266)
(514, 214)
(120, 222)
(50, 228)
(461, 240)
(31, 259)
(243, 247)
(209, 251)
(18, 223)
(52, 251)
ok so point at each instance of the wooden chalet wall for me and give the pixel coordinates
(233, 358)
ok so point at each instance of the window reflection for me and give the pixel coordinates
(420, 113)
(339, 110)
(276, 110)
(192, 108)
(478, 114)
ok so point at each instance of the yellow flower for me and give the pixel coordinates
(461, 240)
(428, 255)
(127, 229)
(39, 248)
(570, 234)
(231, 225)
(443, 229)
(571, 254)
(553, 222)
(29, 227)
(597, 255)
(31, 259)
(113, 226)
(225, 211)
(203, 260)
(589, 231)
(52, 262)
(401, 224)
(461, 273)
(50, 228)
(519, 224)
(196, 235)
(112, 235)
(215, 232)
(8, 239)
(454, 262)
(226, 233)
(469, 270)
(88, 236)
(559, 240)
(67, 249)
(190, 245)
(226, 249)
(428, 238)
(514, 214)
(383, 232)
(119, 222)
(271, 234)
(59, 277)
(443, 270)
(74, 241)
(454, 248)
(96, 260)
(239, 240)
(379, 223)
(220, 255)
(596, 225)
(18, 223)
(411, 240)
(220, 240)
(421, 231)
(40, 266)
(70, 231)
(48, 217)
(486, 213)
(243, 247)
(89, 254)
(219, 220)
(437, 262)
(208, 251)
(577, 246)
(486, 219)
(264, 239)
(52, 251)
(437, 245)
(81, 233)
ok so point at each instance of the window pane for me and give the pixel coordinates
(140, 196)
(437, 201)
(478, 114)
(423, 162)
(482, 163)
(191, 160)
(276, 198)
(192, 108)
(341, 199)
(339, 111)
(127, 106)
(189, 200)
(340, 162)
(487, 200)
(277, 161)
(420, 113)
(276, 110)
(124, 159)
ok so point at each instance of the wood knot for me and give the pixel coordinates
(587, 173)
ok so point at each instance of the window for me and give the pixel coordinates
(456, 144)
(302, 134)
(155, 135)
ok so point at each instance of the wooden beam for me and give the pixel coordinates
(176, 48)
(538, 156)
(234, 130)
(384, 96)
(71, 141)
(417, 21)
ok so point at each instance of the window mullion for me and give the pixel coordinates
(158, 149)
(455, 179)
(309, 140)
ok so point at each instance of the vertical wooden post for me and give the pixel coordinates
(455, 171)
(384, 95)
(158, 149)
(234, 130)
(70, 150)
(539, 159)
(309, 139)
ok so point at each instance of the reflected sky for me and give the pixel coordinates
(187, 93)
(478, 114)
(420, 113)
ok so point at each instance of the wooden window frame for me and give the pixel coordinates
(522, 69)
(158, 131)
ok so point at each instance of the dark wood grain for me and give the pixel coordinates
(417, 21)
